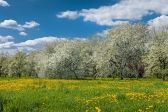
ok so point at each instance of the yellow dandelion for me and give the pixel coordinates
(98, 109)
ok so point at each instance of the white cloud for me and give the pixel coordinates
(103, 33)
(159, 22)
(31, 24)
(121, 12)
(11, 51)
(39, 41)
(3, 3)
(7, 45)
(12, 24)
(30, 45)
(23, 33)
(68, 14)
(4, 39)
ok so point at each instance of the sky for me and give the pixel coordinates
(28, 24)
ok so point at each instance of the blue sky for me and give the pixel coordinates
(44, 12)
(27, 23)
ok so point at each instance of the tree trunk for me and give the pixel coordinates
(164, 77)
(121, 74)
(121, 78)
(19, 74)
(164, 74)
(94, 77)
(94, 72)
(76, 75)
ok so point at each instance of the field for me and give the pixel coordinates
(102, 95)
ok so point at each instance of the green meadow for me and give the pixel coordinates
(101, 95)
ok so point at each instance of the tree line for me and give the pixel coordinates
(128, 51)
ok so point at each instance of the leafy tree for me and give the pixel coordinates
(41, 58)
(127, 42)
(90, 56)
(4, 61)
(18, 64)
(127, 51)
(65, 61)
(31, 65)
(157, 57)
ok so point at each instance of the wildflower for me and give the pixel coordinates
(98, 109)
(140, 110)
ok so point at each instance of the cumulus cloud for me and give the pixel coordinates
(6, 42)
(4, 39)
(7, 45)
(159, 21)
(12, 24)
(68, 14)
(3, 3)
(30, 24)
(122, 12)
(39, 41)
(30, 45)
(11, 47)
(23, 33)
(35, 42)
(11, 51)
(103, 33)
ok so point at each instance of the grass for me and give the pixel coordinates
(103, 95)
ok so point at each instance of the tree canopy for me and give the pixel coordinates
(128, 51)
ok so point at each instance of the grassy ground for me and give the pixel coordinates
(45, 95)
